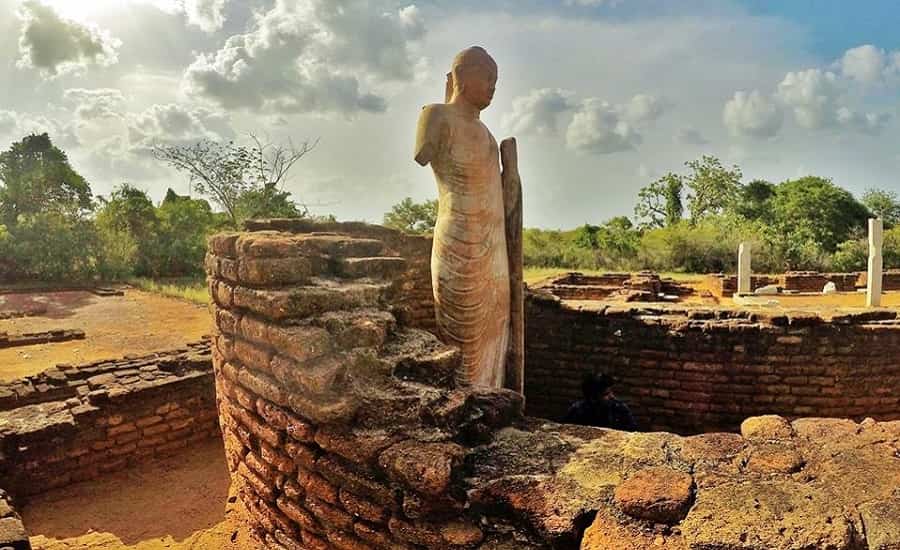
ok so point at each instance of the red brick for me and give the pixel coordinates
(299, 515)
(328, 515)
(318, 487)
(363, 508)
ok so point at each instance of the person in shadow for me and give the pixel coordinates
(600, 408)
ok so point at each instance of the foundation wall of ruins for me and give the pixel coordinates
(73, 423)
(344, 428)
(697, 370)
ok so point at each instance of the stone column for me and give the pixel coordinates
(876, 238)
(743, 283)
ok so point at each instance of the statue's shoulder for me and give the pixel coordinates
(434, 112)
(432, 132)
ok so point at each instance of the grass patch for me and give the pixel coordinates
(190, 289)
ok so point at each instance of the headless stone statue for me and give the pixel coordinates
(469, 262)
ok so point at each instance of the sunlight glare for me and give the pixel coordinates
(86, 10)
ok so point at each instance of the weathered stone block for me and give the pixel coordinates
(252, 355)
(330, 516)
(300, 343)
(363, 508)
(374, 267)
(298, 514)
(425, 467)
(306, 301)
(776, 514)
(275, 271)
(223, 244)
(769, 427)
(881, 520)
(659, 494)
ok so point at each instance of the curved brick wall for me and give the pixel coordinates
(344, 430)
(700, 370)
(342, 427)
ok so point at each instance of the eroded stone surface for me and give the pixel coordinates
(660, 494)
(346, 428)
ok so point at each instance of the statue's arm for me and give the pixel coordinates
(428, 134)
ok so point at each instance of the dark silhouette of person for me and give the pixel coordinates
(600, 408)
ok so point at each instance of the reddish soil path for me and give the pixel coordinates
(137, 323)
(177, 503)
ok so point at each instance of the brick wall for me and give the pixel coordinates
(813, 281)
(8, 340)
(724, 286)
(70, 424)
(344, 428)
(12, 531)
(415, 301)
(890, 279)
(697, 370)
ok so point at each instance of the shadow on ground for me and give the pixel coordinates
(179, 502)
(52, 305)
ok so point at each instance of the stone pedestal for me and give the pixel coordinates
(876, 238)
(744, 269)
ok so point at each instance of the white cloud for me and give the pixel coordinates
(643, 109)
(54, 45)
(539, 111)
(813, 96)
(864, 63)
(95, 103)
(752, 114)
(868, 123)
(308, 56)
(599, 128)
(8, 121)
(175, 124)
(596, 126)
(209, 15)
(690, 136)
(16, 125)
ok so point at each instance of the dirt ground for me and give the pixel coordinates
(177, 504)
(136, 324)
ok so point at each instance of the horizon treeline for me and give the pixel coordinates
(52, 226)
(694, 221)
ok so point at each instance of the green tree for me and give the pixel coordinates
(586, 236)
(268, 202)
(128, 225)
(818, 210)
(184, 226)
(660, 204)
(851, 255)
(226, 171)
(35, 177)
(413, 217)
(52, 246)
(754, 200)
(883, 204)
(712, 188)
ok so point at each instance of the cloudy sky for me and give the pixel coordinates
(604, 95)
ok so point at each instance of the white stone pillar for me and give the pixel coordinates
(743, 282)
(873, 287)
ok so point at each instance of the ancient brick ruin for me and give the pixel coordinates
(692, 370)
(73, 423)
(723, 285)
(32, 338)
(344, 426)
